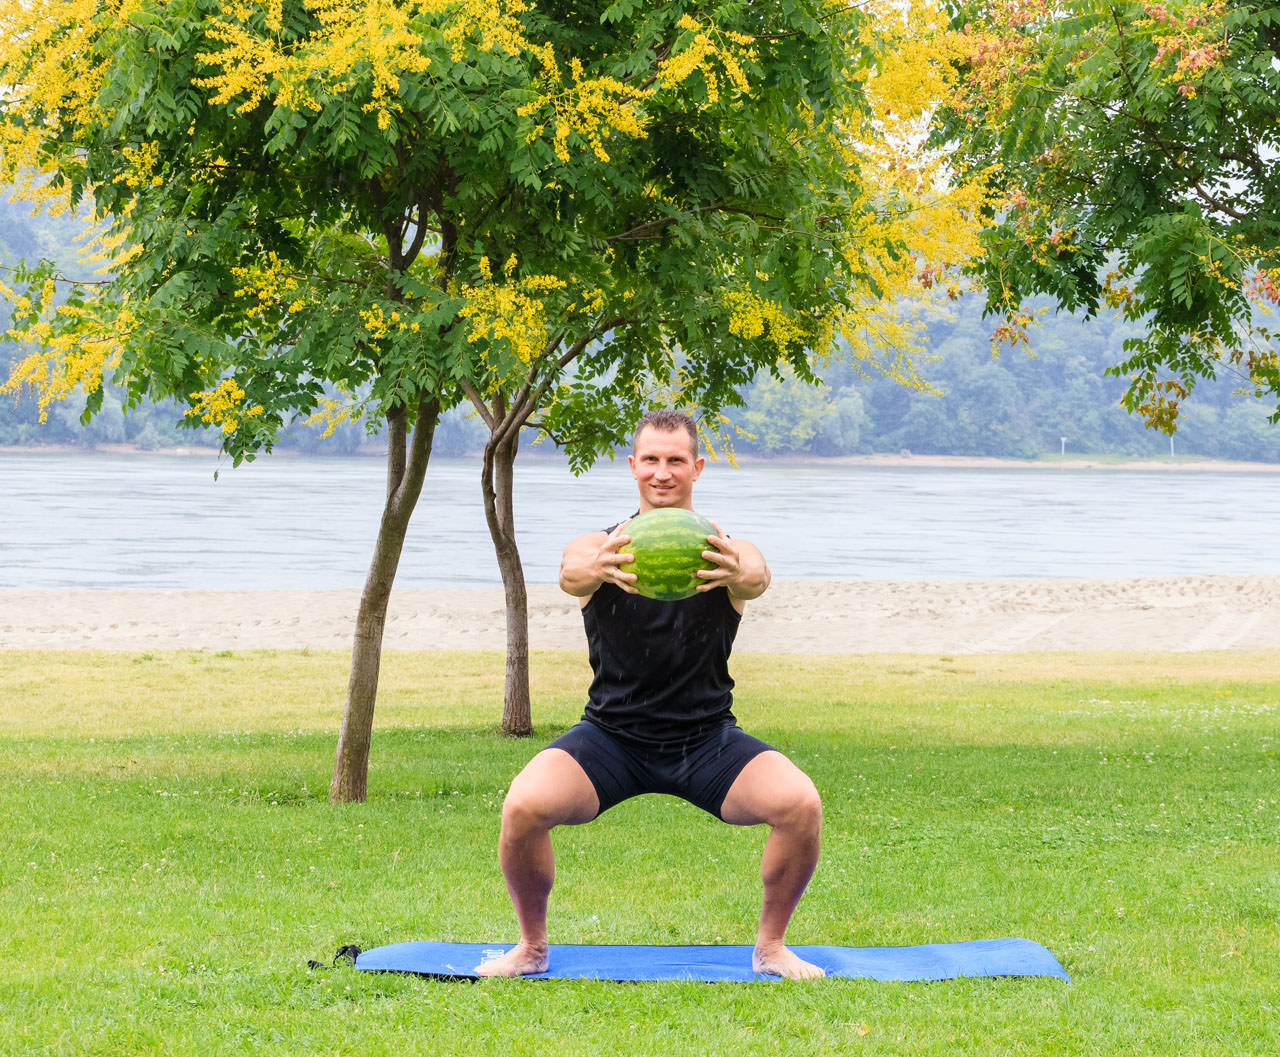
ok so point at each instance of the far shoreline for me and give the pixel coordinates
(886, 460)
(979, 462)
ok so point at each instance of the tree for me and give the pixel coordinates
(762, 207)
(545, 208)
(784, 416)
(1136, 149)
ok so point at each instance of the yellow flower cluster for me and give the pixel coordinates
(598, 108)
(109, 251)
(140, 166)
(593, 107)
(66, 364)
(223, 406)
(493, 23)
(708, 43)
(373, 41)
(378, 322)
(879, 333)
(375, 322)
(51, 72)
(331, 414)
(377, 35)
(75, 345)
(268, 283)
(751, 315)
(511, 314)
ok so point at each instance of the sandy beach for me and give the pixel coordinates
(796, 616)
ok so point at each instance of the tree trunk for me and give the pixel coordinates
(497, 481)
(407, 457)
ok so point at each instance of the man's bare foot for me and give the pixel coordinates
(777, 960)
(521, 960)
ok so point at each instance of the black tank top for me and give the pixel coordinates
(661, 668)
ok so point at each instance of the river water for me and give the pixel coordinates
(163, 521)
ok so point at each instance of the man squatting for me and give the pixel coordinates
(659, 718)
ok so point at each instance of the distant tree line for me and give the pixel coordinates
(1006, 405)
(1010, 405)
(155, 427)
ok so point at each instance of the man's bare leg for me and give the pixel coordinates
(773, 790)
(552, 790)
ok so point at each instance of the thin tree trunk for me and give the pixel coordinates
(497, 481)
(407, 456)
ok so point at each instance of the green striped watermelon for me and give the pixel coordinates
(667, 543)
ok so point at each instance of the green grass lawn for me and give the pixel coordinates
(170, 863)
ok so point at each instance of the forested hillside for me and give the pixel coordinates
(1014, 405)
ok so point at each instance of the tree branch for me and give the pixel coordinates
(478, 402)
(420, 233)
(637, 233)
(1216, 203)
(527, 400)
(534, 398)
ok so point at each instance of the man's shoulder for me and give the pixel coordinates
(595, 537)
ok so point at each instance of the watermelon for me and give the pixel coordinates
(667, 544)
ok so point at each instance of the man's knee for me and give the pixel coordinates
(527, 816)
(551, 791)
(773, 790)
(525, 812)
(795, 803)
(801, 806)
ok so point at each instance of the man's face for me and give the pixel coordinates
(665, 468)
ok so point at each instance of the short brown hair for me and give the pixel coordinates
(667, 420)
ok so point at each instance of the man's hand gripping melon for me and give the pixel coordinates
(667, 544)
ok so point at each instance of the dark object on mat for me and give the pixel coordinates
(930, 961)
(346, 956)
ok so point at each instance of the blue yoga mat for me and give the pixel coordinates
(929, 961)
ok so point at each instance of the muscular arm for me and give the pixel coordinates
(753, 577)
(740, 568)
(592, 560)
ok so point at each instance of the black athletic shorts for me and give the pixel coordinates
(699, 771)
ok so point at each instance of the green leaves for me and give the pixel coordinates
(315, 196)
(1138, 139)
